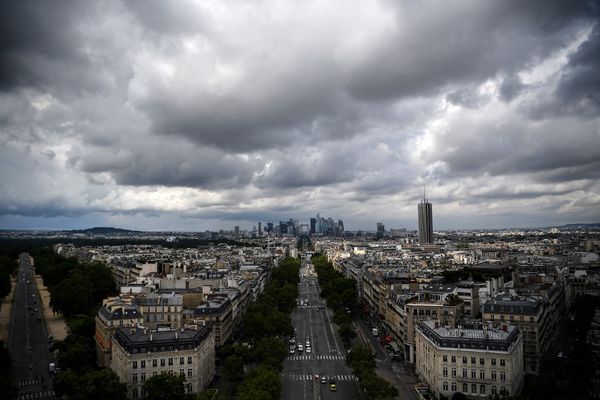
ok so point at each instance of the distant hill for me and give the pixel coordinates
(580, 226)
(104, 230)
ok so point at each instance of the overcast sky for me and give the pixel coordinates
(194, 115)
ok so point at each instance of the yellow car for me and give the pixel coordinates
(332, 387)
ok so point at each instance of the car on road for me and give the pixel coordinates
(300, 348)
(308, 350)
(332, 387)
(323, 379)
(292, 351)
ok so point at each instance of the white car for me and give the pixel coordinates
(300, 348)
(308, 350)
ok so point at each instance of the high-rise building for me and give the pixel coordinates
(425, 221)
(237, 231)
(259, 229)
(380, 230)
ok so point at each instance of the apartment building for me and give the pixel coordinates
(115, 312)
(477, 361)
(217, 311)
(444, 311)
(138, 354)
(161, 311)
(532, 315)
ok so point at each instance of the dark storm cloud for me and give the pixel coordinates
(515, 147)
(579, 86)
(172, 164)
(432, 47)
(236, 111)
(39, 44)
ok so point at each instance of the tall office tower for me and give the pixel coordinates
(237, 231)
(313, 225)
(425, 221)
(259, 229)
(380, 230)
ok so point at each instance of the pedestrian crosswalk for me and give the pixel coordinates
(305, 377)
(48, 394)
(28, 382)
(317, 357)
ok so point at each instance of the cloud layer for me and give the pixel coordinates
(193, 115)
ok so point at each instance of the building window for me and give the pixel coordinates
(453, 359)
(464, 359)
(454, 372)
(189, 360)
(154, 373)
(482, 361)
(445, 358)
(143, 364)
(189, 374)
(465, 388)
(135, 364)
(182, 372)
(502, 362)
(445, 371)
(502, 375)
(493, 361)
(135, 393)
(502, 389)
(143, 377)
(481, 389)
(473, 360)
(181, 360)
(482, 374)
(473, 388)
(134, 378)
(453, 387)
(494, 390)
(445, 386)
(473, 374)
(170, 361)
(493, 375)
(162, 362)
(154, 363)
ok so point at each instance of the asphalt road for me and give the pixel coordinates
(313, 322)
(28, 339)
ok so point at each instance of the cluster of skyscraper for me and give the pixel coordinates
(318, 225)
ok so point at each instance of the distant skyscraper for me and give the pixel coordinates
(425, 221)
(380, 230)
(236, 231)
(259, 229)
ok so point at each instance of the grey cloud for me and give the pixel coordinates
(579, 86)
(170, 164)
(511, 87)
(468, 98)
(516, 147)
(471, 42)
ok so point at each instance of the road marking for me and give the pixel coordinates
(304, 377)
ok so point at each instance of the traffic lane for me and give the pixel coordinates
(294, 389)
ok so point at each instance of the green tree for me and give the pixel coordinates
(165, 387)
(272, 350)
(7, 390)
(233, 370)
(262, 383)
(93, 385)
(459, 396)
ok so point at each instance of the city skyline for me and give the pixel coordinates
(193, 116)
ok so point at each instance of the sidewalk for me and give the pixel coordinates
(55, 323)
(5, 311)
